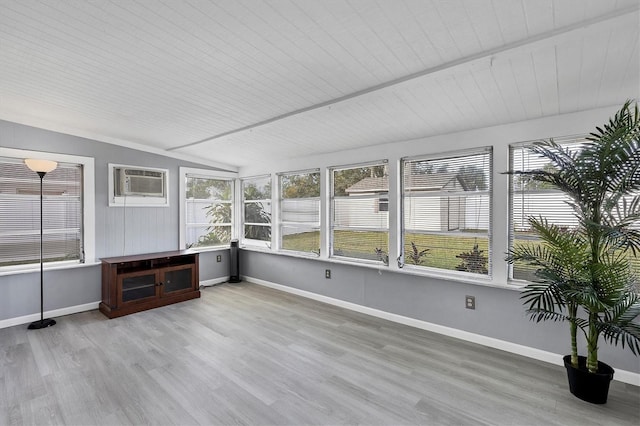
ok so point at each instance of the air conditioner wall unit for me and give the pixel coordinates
(139, 182)
(138, 186)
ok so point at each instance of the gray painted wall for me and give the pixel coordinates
(210, 268)
(63, 288)
(499, 312)
(148, 229)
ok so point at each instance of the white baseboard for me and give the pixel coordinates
(550, 357)
(215, 281)
(10, 322)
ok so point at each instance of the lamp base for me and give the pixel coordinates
(36, 325)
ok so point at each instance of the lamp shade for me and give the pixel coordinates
(43, 166)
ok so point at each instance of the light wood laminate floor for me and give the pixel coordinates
(246, 354)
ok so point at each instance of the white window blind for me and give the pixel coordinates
(359, 226)
(256, 211)
(208, 211)
(300, 211)
(447, 211)
(529, 198)
(20, 213)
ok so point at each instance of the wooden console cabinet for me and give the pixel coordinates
(145, 281)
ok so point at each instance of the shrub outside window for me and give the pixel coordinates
(359, 226)
(300, 211)
(447, 211)
(208, 211)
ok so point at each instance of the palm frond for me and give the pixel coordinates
(612, 155)
(621, 224)
(588, 266)
(539, 315)
(543, 297)
(619, 323)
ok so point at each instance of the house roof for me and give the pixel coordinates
(415, 182)
(431, 181)
(369, 184)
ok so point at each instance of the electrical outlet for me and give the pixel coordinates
(327, 273)
(219, 258)
(470, 302)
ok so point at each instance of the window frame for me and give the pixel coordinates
(250, 242)
(184, 172)
(298, 225)
(513, 147)
(518, 146)
(330, 229)
(436, 271)
(88, 208)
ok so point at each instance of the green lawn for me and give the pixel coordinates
(362, 244)
(305, 242)
(442, 249)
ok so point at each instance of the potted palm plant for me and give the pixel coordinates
(584, 274)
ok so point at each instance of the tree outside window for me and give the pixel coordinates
(208, 211)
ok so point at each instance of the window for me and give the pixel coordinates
(208, 209)
(447, 210)
(256, 211)
(529, 198)
(383, 203)
(68, 199)
(359, 227)
(300, 211)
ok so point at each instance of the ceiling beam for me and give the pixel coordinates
(516, 48)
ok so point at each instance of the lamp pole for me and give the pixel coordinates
(42, 167)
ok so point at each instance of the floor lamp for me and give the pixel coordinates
(42, 167)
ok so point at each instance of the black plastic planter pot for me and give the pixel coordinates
(590, 387)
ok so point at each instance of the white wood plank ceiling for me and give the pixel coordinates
(239, 81)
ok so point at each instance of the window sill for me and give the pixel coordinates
(461, 277)
(371, 264)
(409, 270)
(519, 284)
(51, 267)
(258, 249)
(298, 254)
(208, 249)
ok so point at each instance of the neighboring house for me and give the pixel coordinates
(377, 186)
(449, 182)
(433, 202)
(366, 207)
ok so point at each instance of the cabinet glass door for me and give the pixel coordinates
(176, 279)
(138, 286)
